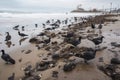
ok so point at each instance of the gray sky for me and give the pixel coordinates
(54, 5)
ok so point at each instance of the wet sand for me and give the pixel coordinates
(111, 32)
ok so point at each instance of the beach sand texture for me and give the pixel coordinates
(111, 32)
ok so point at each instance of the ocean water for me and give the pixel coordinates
(9, 20)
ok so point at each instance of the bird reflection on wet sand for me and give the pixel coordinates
(21, 40)
(9, 43)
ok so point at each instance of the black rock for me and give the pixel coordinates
(28, 71)
(55, 56)
(69, 66)
(12, 77)
(115, 61)
(55, 74)
(115, 76)
(41, 66)
(34, 40)
(115, 44)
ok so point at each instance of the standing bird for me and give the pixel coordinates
(93, 26)
(100, 27)
(88, 54)
(23, 28)
(7, 58)
(36, 25)
(43, 25)
(73, 41)
(97, 40)
(8, 37)
(22, 34)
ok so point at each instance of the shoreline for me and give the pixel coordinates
(33, 58)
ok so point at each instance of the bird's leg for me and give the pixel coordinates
(96, 47)
(85, 61)
(6, 62)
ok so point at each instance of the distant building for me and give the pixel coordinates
(116, 10)
(79, 9)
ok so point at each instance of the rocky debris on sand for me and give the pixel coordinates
(76, 60)
(47, 48)
(13, 44)
(20, 60)
(9, 43)
(102, 48)
(111, 71)
(49, 54)
(53, 35)
(28, 71)
(115, 61)
(54, 43)
(55, 56)
(43, 65)
(113, 51)
(117, 34)
(55, 74)
(45, 58)
(55, 48)
(115, 44)
(69, 66)
(38, 47)
(22, 51)
(34, 40)
(27, 52)
(101, 59)
(12, 77)
(69, 53)
(66, 55)
(33, 77)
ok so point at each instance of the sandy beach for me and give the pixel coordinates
(30, 53)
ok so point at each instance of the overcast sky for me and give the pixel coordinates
(54, 5)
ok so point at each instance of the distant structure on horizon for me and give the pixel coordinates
(79, 9)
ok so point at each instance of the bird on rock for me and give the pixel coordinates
(97, 40)
(89, 54)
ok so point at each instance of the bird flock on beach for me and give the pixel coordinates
(57, 50)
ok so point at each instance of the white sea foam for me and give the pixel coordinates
(11, 19)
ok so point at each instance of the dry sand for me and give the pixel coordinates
(81, 72)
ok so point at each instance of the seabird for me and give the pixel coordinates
(7, 58)
(22, 34)
(8, 37)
